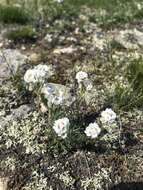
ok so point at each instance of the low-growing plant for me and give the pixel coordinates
(24, 34)
(116, 13)
(53, 10)
(114, 45)
(139, 14)
(130, 96)
(67, 129)
(135, 75)
(12, 14)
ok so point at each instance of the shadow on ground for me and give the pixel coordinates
(128, 186)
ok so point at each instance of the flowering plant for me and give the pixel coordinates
(56, 99)
(38, 75)
(61, 127)
(108, 116)
(93, 130)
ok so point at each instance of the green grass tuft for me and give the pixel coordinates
(26, 33)
(131, 96)
(135, 75)
(11, 14)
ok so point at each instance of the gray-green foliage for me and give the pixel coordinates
(25, 133)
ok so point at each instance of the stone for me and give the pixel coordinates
(16, 114)
(20, 112)
(130, 39)
(57, 94)
(66, 50)
(34, 58)
(10, 61)
(3, 184)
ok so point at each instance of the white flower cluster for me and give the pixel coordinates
(108, 116)
(109, 123)
(93, 130)
(49, 38)
(38, 74)
(82, 79)
(61, 127)
(55, 94)
(81, 76)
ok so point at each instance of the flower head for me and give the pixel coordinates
(61, 127)
(108, 116)
(82, 79)
(93, 130)
(38, 74)
(48, 38)
(81, 76)
(30, 76)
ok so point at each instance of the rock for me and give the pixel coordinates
(20, 112)
(10, 61)
(43, 108)
(3, 184)
(138, 36)
(66, 50)
(130, 39)
(1, 44)
(34, 58)
(57, 94)
(23, 47)
(17, 114)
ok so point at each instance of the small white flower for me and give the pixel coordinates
(93, 130)
(49, 38)
(139, 6)
(29, 76)
(59, 1)
(108, 116)
(82, 79)
(61, 127)
(81, 76)
(44, 70)
(38, 74)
